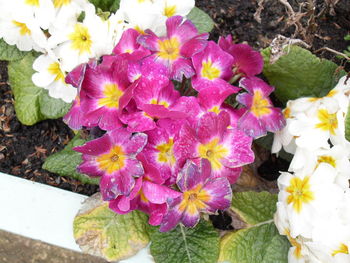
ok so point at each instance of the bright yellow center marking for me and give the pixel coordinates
(260, 106)
(32, 2)
(162, 102)
(287, 113)
(55, 69)
(214, 152)
(327, 159)
(194, 200)
(215, 109)
(23, 29)
(328, 122)
(294, 243)
(209, 71)
(342, 249)
(169, 48)
(112, 161)
(112, 94)
(299, 193)
(81, 39)
(170, 10)
(166, 153)
(140, 30)
(60, 3)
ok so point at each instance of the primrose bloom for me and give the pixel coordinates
(260, 116)
(51, 77)
(113, 158)
(176, 48)
(43, 11)
(226, 149)
(201, 192)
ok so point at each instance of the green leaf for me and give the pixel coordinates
(347, 124)
(32, 104)
(299, 73)
(186, 245)
(254, 207)
(10, 52)
(66, 161)
(259, 244)
(106, 5)
(201, 20)
(101, 232)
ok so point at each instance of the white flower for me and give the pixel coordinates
(51, 77)
(43, 11)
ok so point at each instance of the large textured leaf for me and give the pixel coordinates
(106, 5)
(299, 73)
(101, 232)
(66, 161)
(186, 245)
(32, 103)
(254, 207)
(202, 20)
(347, 125)
(10, 53)
(259, 244)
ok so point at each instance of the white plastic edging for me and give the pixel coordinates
(44, 213)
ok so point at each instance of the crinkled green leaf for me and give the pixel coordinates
(186, 245)
(106, 5)
(254, 207)
(101, 232)
(10, 52)
(202, 20)
(32, 104)
(66, 161)
(299, 73)
(259, 244)
(347, 125)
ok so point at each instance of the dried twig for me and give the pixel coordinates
(257, 14)
(333, 51)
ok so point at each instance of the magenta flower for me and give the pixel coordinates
(128, 43)
(113, 158)
(201, 193)
(260, 116)
(246, 61)
(176, 48)
(148, 195)
(213, 68)
(225, 148)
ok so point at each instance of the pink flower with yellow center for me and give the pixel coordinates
(113, 158)
(260, 116)
(201, 193)
(227, 149)
(176, 48)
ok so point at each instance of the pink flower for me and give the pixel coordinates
(246, 61)
(176, 48)
(128, 43)
(201, 193)
(227, 149)
(113, 158)
(213, 68)
(260, 116)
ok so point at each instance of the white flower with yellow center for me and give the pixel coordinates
(43, 11)
(50, 76)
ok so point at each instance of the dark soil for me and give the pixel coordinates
(23, 149)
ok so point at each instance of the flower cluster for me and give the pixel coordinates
(169, 155)
(313, 208)
(70, 32)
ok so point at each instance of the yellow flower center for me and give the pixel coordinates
(342, 249)
(81, 39)
(112, 94)
(327, 159)
(169, 10)
(32, 2)
(169, 48)
(328, 122)
(55, 70)
(214, 152)
(299, 193)
(209, 71)
(294, 243)
(194, 200)
(112, 161)
(162, 102)
(166, 153)
(60, 3)
(215, 109)
(287, 113)
(23, 29)
(260, 106)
